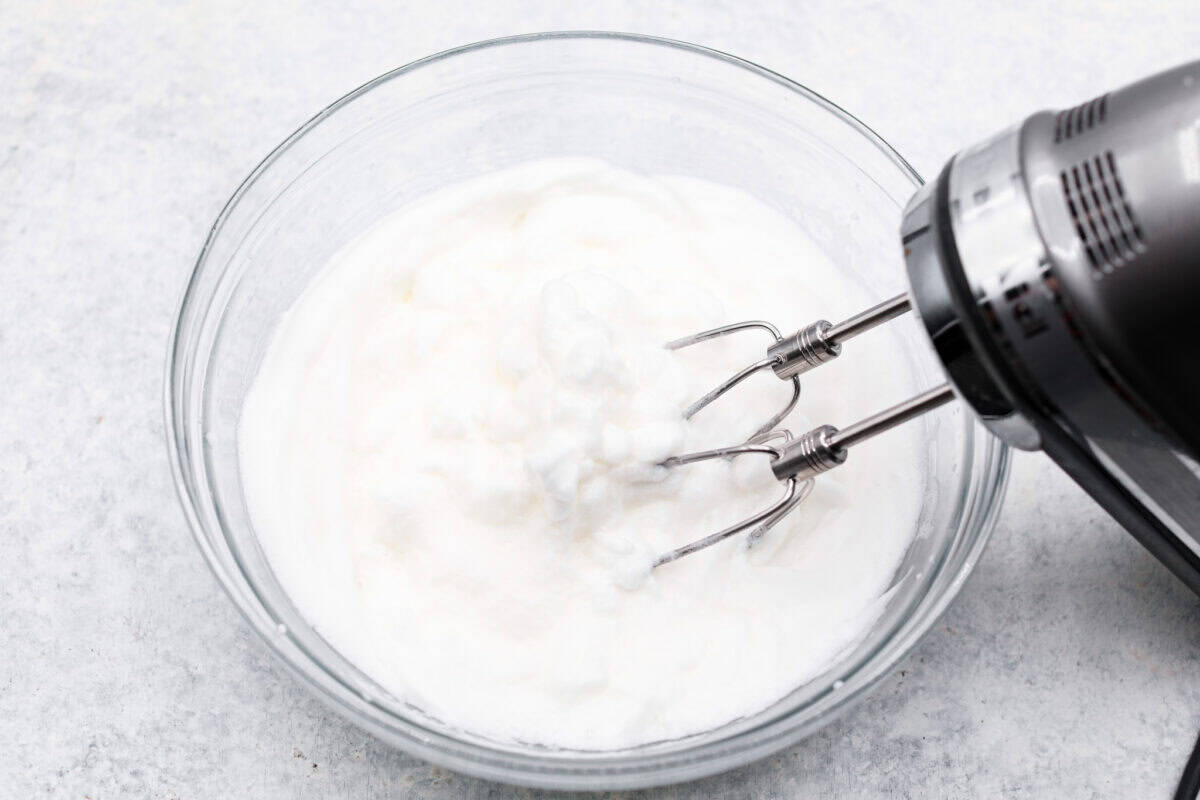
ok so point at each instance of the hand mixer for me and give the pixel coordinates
(1056, 270)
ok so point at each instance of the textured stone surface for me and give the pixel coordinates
(1069, 667)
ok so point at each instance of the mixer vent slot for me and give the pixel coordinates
(1083, 117)
(1101, 212)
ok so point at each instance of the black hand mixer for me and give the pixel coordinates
(1056, 270)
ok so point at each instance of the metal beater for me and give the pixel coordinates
(796, 461)
(1056, 270)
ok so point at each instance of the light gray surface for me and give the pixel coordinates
(1069, 667)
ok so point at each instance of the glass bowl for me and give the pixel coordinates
(642, 103)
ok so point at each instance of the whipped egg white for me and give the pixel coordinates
(451, 451)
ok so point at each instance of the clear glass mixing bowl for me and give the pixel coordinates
(642, 103)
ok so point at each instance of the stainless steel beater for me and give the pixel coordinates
(1056, 270)
(797, 460)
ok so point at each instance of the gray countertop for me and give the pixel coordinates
(1068, 667)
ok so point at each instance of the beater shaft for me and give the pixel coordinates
(814, 344)
(864, 321)
(890, 418)
(825, 447)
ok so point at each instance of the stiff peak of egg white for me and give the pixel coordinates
(451, 452)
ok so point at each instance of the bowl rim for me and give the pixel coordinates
(595, 771)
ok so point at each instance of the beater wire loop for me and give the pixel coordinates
(794, 494)
(782, 506)
(758, 366)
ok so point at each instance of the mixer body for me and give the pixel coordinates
(1056, 269)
